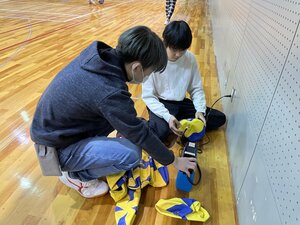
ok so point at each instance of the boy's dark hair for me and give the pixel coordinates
(177, 35)
(141, 44)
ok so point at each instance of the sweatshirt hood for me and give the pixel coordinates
(101, 59)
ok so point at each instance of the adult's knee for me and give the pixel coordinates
(135, 155)
(132, 156)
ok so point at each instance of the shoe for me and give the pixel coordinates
(119, 135)
(167, 22)
(89, 189)
(92, 2)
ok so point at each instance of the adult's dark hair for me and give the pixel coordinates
(177, 35)
(141, 44)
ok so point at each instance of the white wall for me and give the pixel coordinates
(257, 45)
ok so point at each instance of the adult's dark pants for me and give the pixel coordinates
(183, 110)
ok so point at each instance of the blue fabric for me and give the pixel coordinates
(100, 156)
(152, 164)
(118, 209)
(131, 194)
(144, 164)
(137, 184)
(122, 220)
(121, 181)
(164, 174)
(197, 136)
(181, 210)
(188, 201)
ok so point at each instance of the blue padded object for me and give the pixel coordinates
(194, 129)
(197, 136)
(182, 182)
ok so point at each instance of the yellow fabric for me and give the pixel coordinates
(125, 187)
(190, 127)
(181, 208)
(128, 208)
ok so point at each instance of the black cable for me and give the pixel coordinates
(199, 179)
(224, 96)
(205, 143)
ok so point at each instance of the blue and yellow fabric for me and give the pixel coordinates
(182, 208)
(125, 187)
(194, 129)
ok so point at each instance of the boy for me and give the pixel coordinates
(164, 92)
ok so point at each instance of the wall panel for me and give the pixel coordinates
(257, 47)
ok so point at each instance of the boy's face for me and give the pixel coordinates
(174, 54)
(138, 74)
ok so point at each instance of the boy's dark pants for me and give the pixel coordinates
(182, 110)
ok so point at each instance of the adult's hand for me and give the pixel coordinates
(185, 164)
(200, 116)
(174, 125)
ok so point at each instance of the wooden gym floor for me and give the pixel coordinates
(37, 39)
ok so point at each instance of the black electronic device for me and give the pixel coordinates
(183, 182)
(190, 150)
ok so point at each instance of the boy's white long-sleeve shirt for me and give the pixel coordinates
(178, 78)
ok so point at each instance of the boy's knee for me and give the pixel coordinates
(217, 120)
(222, 119)
(162, 130)
(163, 133)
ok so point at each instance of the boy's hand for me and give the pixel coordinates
(174, 125)
(200, 116)
(185, 164)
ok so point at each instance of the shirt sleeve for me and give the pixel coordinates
(118, 109)
(150, 98)
(195, 88)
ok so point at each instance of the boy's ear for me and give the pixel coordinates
(135, 65)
